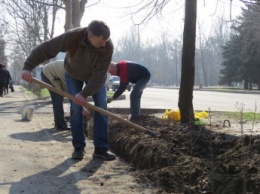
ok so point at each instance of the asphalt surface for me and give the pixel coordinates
(158, 99)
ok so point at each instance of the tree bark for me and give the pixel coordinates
(74, 12)
(68, 15)
(188, 63)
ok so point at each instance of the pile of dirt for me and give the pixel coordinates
(189, 159)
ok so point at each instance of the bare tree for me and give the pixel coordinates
(75, 10)
(221, 36)
(129, 45)
(188, 63)
(33, 21)
(202, 50)
(3, 59)
(154, 7)
(16, 65)
(30, 22)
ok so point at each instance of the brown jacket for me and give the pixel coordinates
(82, 62)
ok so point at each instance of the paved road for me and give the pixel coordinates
(154, 98)
(161, 99)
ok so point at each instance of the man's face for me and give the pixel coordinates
(97, 41)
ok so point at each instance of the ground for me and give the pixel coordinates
(214, 158)
(36, 158)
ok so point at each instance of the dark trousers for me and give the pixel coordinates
(57, 104)
(136, 94)
(6, 88)
(100, 125)
(1, 89)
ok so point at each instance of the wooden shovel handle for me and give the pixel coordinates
(92, 107)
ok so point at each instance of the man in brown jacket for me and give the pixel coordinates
(88, 55)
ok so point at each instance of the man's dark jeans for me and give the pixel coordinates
(136, 94)
(100, 125)
(57, 104)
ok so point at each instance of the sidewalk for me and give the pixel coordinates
(35, 158)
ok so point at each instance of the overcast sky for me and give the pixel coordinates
(117, 14)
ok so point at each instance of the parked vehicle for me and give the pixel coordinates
(113, 83)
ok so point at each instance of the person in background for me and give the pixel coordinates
(89, 52)
(7, 81)
(130, 72)
(3, 77)
(53, 73)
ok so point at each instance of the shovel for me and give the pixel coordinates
(95, 108)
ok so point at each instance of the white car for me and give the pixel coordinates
(113, 83)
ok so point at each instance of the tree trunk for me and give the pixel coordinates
(204, 68)
(68, 15)
(245, 84)
(74, 12)
(188, 63)
(250, 85)
(78, 9)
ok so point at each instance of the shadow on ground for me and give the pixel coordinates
(65, 180)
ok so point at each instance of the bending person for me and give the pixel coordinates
(130, 72)
(53, 73)
(89, 53)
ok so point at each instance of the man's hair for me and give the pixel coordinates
(113, 63)
(99, 28)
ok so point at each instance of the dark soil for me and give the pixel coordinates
(185, 159)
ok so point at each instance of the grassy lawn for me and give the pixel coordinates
(239, 116)
(110, 94)
(45, 92)
(245, 115)
(222, 89)
(26, 91)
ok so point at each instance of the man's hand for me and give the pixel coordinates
(110, 99)
(79, 100)
(27, 76)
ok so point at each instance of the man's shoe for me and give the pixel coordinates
(78, 153)
(104, 154)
